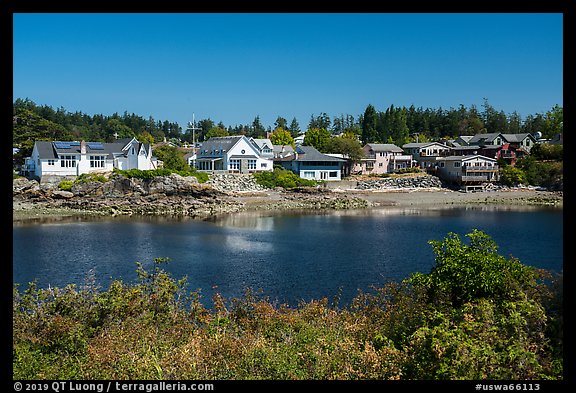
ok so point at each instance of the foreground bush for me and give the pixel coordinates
(430, 326)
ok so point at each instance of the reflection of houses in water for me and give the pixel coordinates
(252, 220)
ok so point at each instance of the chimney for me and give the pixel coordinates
(82, 147)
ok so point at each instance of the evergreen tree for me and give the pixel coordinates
(369, 123)
(294, 128)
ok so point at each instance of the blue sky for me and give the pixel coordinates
(233, 67)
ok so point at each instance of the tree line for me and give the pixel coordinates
(395, 124)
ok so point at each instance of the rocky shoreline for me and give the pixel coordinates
(177, 196)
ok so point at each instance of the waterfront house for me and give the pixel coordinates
(67, 159)
(521, 142)
(467, 171)
(234, 154)
(504, 152)
(309, 163)
(426, 153)
(382, 158)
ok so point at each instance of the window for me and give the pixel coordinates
(51, 162)
(97, 161)
(309, 174)
(333, 174)
(68, 161)
(251, 164)
(264, 165)
(442, 165)
(380, 164)
(457, 164)
(235, 165)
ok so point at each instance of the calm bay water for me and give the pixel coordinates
(289, 257)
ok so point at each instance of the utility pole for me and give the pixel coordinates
(192, 126)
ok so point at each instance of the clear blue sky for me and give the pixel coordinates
(232, 67)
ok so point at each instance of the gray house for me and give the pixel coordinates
(309, 163)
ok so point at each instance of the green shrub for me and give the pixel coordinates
(66, 185)
(284, 178)
(152, 173)
(90, 177)
(511, 176)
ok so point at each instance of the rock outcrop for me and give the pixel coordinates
(427, 181)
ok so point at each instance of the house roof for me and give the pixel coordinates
(387, 147)
(517, 137)
(478, 138)
(422, 144)
(467, 157)
(309, 153)
(466, 138)
(283, 149)
(261, 142)
(218, 144)
(53, 149)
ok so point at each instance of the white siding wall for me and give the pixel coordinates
(317, 174)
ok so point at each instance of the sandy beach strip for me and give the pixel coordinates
(438, 197)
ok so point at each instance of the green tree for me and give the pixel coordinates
(29, 126)
(281, 123)
(173, 159)
(369, 125)
(258, 129)
(215, 132)
(399, 130)
(321, 121)
(553, 122)
(317, 137)
(512, 176)
(347, 145)
(145, 137)
(205, 125)
(294, 128)
(282, 137)
(116, 127)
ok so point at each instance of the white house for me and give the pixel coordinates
(234, 154)
(69, 159)
(468, 170)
